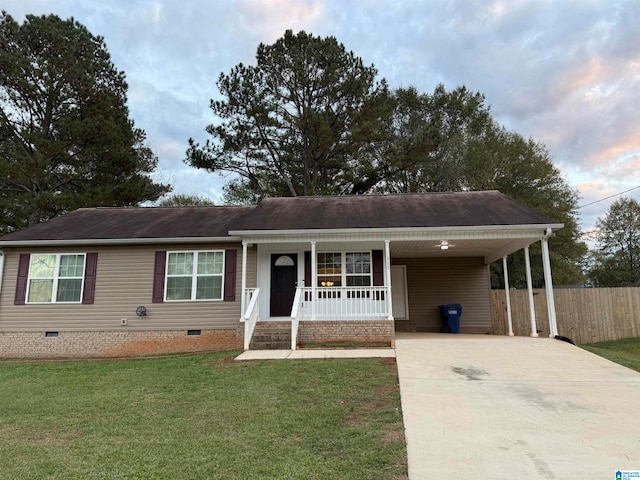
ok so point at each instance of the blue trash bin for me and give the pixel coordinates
(451, 314)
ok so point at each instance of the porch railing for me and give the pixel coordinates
(250, 316)
(296, 314)
(344, 303)
(249, 293)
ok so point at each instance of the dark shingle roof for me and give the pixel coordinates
(139, 223)
(391, 211)
(300, 213)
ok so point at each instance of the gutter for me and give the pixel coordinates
(332, 231)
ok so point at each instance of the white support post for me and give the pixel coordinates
(243, 291)
(506, 292)
(548, 285)
(314, 280)
(387, 279)
(1, 267)
(532, 308)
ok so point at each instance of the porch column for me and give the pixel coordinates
(548, 285)
(506, 292)
(243, 291)
(314, 280)
(532, 308)
(387, 279)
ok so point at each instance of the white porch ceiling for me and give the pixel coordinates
(489, 249)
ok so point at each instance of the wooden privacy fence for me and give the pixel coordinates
(585, 315)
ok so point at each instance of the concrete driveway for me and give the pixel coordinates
(491, 407)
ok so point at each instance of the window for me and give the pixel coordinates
(352, 269)
(195, 275)
(329, 269)
(358, 269)
(55, 278)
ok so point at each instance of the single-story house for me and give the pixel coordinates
(305, 270)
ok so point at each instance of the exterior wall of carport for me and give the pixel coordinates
(124, 281)
(435, 281)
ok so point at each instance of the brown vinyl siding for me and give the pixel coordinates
(124, 281)
(436, 281)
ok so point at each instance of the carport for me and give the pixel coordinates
(383, 260)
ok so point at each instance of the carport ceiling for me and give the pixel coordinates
(489, 249)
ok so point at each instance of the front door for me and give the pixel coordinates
(284, 277)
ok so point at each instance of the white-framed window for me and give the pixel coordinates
(55, 278)
(194, 275)
(330, 269)
(351, 269)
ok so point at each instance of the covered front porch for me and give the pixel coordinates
(360, 287)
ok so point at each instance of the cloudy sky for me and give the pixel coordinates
(566, 73)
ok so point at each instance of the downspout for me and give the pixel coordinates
(548, 284)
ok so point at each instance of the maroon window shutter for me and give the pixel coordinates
(21, 285)
(230, 275)
(90, 267)
(158, 277)
(378, 268)
(307, 269)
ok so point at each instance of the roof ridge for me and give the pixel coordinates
(369, 195)
(158, 207)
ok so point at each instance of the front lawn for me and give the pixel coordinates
(625, 352)
(201, 417)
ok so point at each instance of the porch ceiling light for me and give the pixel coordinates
(444, 245)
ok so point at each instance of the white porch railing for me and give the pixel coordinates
(249, 293)
(250, 316)
(331, 303)
(344, 303)
(296, 313)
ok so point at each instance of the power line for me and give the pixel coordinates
(610, 196)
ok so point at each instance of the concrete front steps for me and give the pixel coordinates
(271, 336)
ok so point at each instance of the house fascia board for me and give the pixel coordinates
(534, 232)
(118, 241)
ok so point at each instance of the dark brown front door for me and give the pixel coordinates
(284, 276)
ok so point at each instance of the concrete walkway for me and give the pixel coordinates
(313, 353)
(492, 407)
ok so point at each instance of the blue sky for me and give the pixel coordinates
(566, 73)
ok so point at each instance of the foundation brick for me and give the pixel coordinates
(322, 331)
(116, 343)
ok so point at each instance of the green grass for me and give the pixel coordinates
(625, 352)
(201, 417)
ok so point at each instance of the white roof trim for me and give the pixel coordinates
(322, 231)
(533, 232)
